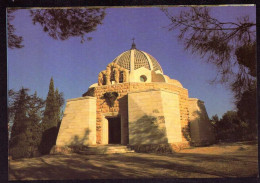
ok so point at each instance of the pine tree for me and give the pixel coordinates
(59, 103)
(51, 119)
(49, 116)
(34, 131)
(25, 113)
(18, 146)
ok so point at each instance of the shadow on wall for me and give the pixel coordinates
(123, 111)
(186, 132)
(199, 131)
(80, 141)
(148, 130)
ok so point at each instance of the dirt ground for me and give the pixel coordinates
(216, 161)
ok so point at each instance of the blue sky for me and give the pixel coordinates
(75, 66)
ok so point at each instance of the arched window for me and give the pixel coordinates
(112, 76)
(121, 77)
(104, 79)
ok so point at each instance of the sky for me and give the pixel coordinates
(75, 66)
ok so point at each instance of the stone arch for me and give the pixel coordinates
(100, 79)
(108, 75)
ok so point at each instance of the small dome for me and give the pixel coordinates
(175, 82)
(134, 59)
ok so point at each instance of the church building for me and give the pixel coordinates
(135, 104)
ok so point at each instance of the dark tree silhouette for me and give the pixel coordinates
(25, 113)
(247, 112)
(51, 119)
(14, 41)
(224, 44)
(60, 24)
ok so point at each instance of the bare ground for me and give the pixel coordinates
(217, 161)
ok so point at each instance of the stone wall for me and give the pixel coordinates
(78, 126)
(154, 117)
(120, 107)
(159, 148)
(201, 130)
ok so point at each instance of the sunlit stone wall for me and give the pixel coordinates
(78, 126)
(121, 104)
(154, 117)
(201, 130)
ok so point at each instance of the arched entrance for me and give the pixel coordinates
(111, 128)
(114, 130)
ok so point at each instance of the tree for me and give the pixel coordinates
(58, 104)
(24, 111)
(18, 144)
(230, 127)
(14, 41)
(214, 122)
(34, 130)
(51, 118)
(230, 46)
(60, 24)
(247, 111)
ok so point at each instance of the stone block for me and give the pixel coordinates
(145, 127)
(77, 126)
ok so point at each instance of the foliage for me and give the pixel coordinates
(230, 127)
(230, 46)
(110, 98)
(24, 112)
(247, 110)
(14, 41)
(246, 56)
(59, 23)
(34, 130)
(51, 118)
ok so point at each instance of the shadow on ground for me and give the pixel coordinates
(136, 165)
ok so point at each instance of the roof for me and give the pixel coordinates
(134, 59)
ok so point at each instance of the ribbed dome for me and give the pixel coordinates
(134, 59)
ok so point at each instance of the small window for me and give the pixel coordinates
(104, 79)
(112, 76)
(143, 78)
(121, 77)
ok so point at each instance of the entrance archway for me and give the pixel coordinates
(114, 130)
(111, 132)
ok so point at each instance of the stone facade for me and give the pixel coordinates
(200, 128)
(121, 104)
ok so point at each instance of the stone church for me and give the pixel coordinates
(134, 103)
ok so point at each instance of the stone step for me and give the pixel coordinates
(105, 149)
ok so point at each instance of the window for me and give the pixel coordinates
(121, 77)
(112, 76)
(104, 79)
(143, 78)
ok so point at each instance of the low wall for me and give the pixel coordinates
(159, 148)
